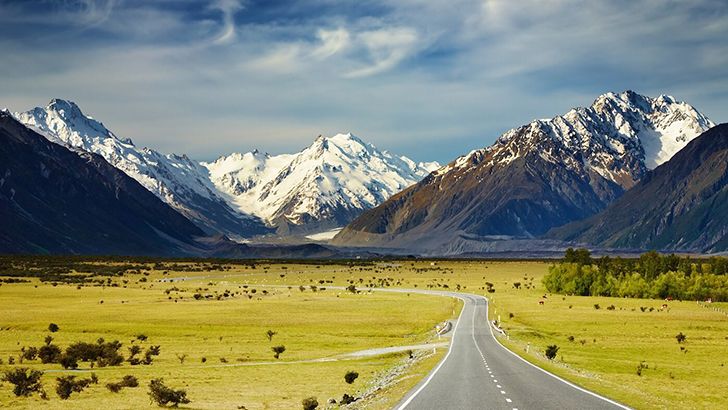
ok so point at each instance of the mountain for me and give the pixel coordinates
(54, 200)
(324, 186)
(182, 183)
(682, 205)
(533, 178)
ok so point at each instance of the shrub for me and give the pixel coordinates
(640, 367)
(126, 381)
(163, 395)
(53, 328)
(49, 353)
(148, 355)
(596, 306)
(350, 376)
(29, 353)
(270, 335)
(351, 288)
(346, 399)
(680, 337)
(277, 350)
(24, 380)
(68, 362)
(551, 351)
(67, 385)
(309, 403)
(102, 352)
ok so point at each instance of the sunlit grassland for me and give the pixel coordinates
(311, 325)
(607, 347)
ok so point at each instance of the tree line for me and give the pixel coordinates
(652, 275)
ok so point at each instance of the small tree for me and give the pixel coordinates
(24, 380)
(181, 358)
(67, 385)
(49, 353)
(681, 337)
(270, 335)
(163, 395)
(310, 403)
(350, 376)
(53, 328)
(29, 353)
(127, 381)
(277, 350)
(551, 351)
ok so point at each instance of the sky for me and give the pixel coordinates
(428, 79)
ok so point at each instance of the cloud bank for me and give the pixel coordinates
(432, 79)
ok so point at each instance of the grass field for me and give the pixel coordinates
(608, 344)
(311, 325)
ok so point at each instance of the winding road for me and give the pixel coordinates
(479, 373)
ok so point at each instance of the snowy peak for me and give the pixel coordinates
(182, 183)
(64, 122)
(620, 136)
(325, 185)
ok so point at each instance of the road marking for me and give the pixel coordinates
(498, 386)
(502, 392)
(509, 400)
(434, 372)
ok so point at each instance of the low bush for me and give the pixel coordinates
(67, 385)
(163, 395)
(25, 381)
(350, 377)
(309, 403)
(551, 351)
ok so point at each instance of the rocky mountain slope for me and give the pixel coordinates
(682, 205)
(534, 177)
(177, 180)
(53, 200)
(324, 186)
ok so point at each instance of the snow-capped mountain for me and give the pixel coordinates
(242, 195)
(176, 179)
(537, 176)
(326, 185)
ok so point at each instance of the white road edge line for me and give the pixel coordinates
(444, 359)
(463, 297)
(622, 406)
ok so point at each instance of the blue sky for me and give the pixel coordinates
(428, 79)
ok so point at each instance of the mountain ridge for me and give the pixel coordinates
(214, 204)
(681, 206)
(325, 185)
(534, 177)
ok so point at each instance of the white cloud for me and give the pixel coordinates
(386, 48)
(332, 42)
(228, 9)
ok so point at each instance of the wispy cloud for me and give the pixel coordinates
(385, 49)
(228, 9)
(210, 76)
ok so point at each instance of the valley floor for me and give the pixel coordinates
(187, 313)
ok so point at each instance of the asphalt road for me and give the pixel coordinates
(479, 373)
